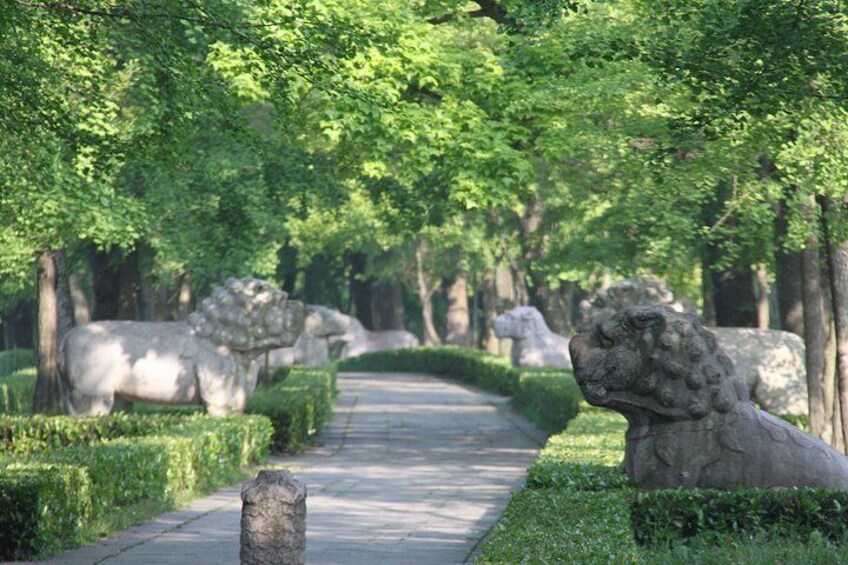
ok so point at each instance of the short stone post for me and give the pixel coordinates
(273, 520)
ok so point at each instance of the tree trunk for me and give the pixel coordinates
(789, 269)
(388, 310)
(490, 312)
(360, 289)
(708, 293)
(762, 296)
(457, 320)
(64, 302)
(47, 398)
(815, 333)
(184, 297)
(838, 273)
(735, 303)
(146, 292)
(425, 296)
(82, 304)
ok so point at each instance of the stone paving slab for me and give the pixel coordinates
(411, 470)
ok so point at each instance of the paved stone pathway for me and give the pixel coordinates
(412, 470)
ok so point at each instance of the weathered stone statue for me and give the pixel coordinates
(690, 421)
(534, 344)
(209, 360)
(769, 362)
(357, 340)
(312, 346)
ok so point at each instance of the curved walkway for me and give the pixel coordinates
(411, 470)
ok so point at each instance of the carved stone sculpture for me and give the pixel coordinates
(312, 346)
(209, 360)
(690, 421)
(357, 340)
(771, 364)
(534, 344)
(273, 520)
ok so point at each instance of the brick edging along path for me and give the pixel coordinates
(411, 470)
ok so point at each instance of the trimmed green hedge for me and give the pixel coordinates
(90, 481)
(470, 366)
(14, 360)
(548, 398)
(664, 516)
(298, 404)
(17, 391)
(33, 434)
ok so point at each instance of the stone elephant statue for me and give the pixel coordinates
(208, 360)
(358, 340)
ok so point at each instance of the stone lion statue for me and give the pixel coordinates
(357, 340)
(534, 344)
(208, 360)
(690, 421)
(312, 346)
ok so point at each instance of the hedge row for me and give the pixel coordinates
(298, 402)
(578, 508)
(548, 398)
(664, 516)
(17, 391)
(14, 360)
(46, 500)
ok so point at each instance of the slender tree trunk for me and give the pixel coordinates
(837, 248)
(47, 398)
(64, 301)
(82, 304)
(789, 275)
(457, 320)
(146, 291)
(360, 289)
(184, 297)
(815, 331)
(388, 310)
(425, 296)
(490, 311)
(762, 296)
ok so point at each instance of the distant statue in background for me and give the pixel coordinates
(208, 360)
(356, 340)
(690, 421)
(312, 348)
(534, 344)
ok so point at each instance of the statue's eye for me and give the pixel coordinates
(643, 320)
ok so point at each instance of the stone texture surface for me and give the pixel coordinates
(771, 363)
(273, 520)
(534, 344)
(690, 421)
(357, 340)
(411, 470)
(208, 360)
(312, 347)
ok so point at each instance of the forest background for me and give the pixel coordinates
(426, 163)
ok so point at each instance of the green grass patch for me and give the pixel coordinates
(17, 391)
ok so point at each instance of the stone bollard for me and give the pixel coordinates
(273, 520)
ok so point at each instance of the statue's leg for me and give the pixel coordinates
(83, 405)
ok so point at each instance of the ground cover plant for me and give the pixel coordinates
(577, 508)
(548, 398)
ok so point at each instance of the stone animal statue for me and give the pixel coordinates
(208, 360)
(534, 344)
(312, 346)
(771, 364)
(690, 421)
(357, 340)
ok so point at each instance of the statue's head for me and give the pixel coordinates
(655, 363)
(324, 322)
(520, 323)
(249, 315)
